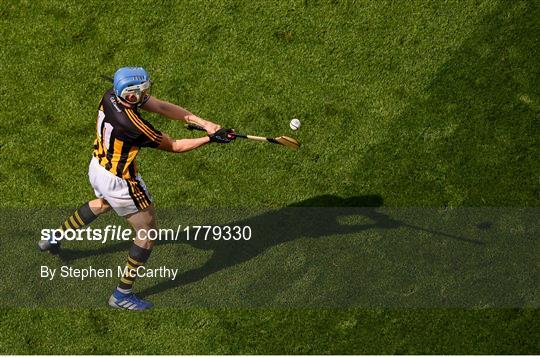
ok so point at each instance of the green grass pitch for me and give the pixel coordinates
(421, 103)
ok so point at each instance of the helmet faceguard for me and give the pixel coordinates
(134, 81)
(140, 91)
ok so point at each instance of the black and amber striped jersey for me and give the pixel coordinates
(121, 132)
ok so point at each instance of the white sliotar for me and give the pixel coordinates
(295, 124)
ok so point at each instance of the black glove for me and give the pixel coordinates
(222, 136)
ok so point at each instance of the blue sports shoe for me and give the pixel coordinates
(129, 301)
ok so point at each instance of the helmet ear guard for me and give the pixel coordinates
(132, 81)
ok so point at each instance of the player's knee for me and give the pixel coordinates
(99, 206)
(146, 237)
(143, 219)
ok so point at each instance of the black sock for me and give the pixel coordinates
(80, 218)
(137, 257)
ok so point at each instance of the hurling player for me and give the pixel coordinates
(121, 132)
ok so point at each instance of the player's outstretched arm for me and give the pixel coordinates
(181, 145)
(176, 112)
(222, 136)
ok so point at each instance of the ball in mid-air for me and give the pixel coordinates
(295, 124)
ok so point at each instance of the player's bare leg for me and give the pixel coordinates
(83, 216)
(140, 250)
(142, 222)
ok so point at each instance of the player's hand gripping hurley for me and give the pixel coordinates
(281, 140)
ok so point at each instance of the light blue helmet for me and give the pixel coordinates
(132, 80)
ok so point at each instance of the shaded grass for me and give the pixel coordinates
(271, 332)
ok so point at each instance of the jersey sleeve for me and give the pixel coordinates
(145, 135)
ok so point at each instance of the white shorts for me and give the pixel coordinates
(124, 196)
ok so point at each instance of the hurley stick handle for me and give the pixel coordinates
(193, 126)
(107, 78)
(281, 140)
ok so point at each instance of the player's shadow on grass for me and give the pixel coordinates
(317, 217)
(269, 224)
